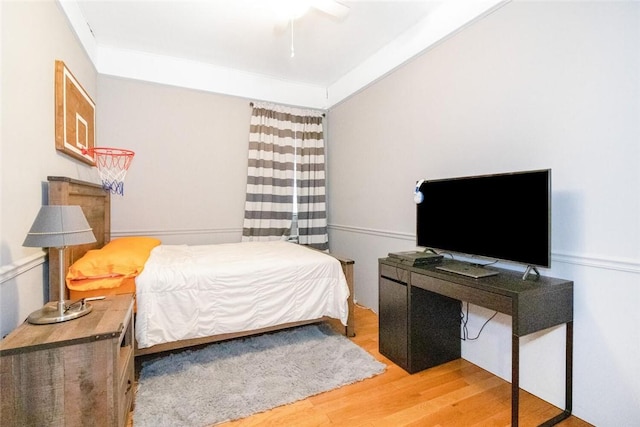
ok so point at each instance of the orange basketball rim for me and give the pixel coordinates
(112, 164)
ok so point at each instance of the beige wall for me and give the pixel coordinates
(34, 35)
(187, 181)
(533, 85)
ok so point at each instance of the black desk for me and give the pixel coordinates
(420, 314)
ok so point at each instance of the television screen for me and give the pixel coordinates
(503, 216)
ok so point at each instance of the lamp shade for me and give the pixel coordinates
(59, 226)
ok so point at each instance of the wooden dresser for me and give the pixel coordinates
(74, 373)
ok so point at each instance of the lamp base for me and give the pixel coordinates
(54, 312)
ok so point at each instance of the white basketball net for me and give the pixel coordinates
(112, 164)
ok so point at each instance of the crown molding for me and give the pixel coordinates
(450, 17)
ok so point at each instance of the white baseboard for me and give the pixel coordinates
(10, 271)
(15, 269)
(625, 265)
(174, 232)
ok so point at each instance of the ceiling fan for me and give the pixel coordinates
(288, 11)
(295, 9)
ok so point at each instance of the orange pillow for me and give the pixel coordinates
(92, 284)
(123, 257)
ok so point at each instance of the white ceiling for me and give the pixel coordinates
(240, 47)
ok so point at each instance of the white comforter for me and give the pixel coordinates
(197, 291)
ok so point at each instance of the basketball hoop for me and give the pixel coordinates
(112, 164)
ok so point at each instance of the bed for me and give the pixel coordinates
(269, 308)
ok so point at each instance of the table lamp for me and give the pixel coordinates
(59, 227)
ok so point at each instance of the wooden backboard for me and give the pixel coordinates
(75, 116)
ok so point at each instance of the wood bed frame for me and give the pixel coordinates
(96, 205)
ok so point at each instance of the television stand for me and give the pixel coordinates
(419, 316)
(528, 271)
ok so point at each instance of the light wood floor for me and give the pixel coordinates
(456, 394)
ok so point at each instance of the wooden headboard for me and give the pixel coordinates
(96, 205)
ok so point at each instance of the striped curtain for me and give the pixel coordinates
(286, 158)
(310, 181)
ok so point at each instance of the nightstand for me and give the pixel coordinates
(79, 372)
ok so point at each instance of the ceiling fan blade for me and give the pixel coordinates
(331, 7)
(287, 14)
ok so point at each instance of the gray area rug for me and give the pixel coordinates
(234, 379)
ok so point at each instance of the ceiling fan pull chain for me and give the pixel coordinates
(293, 53)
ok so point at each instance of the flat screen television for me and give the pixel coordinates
(503, 216)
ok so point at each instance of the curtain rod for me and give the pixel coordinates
(251, 105)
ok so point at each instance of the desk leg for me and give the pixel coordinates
(568, 398)
(515, 379)
(568, 391)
